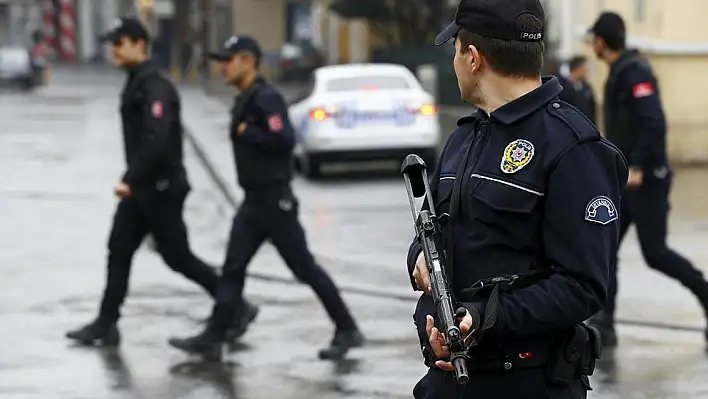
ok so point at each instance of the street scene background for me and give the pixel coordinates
(61, 153)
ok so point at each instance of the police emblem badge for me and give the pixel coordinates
(517, 154)
(601, 210)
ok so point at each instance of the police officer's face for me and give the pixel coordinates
(581, 72)
(127, 52)
(598, 46)
(236, 68)
(467, 64)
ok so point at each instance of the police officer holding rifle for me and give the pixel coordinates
(522, 218)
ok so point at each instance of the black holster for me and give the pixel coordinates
(574, 356)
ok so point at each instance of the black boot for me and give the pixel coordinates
(97, 333)
(605, 323)
(341, 343)
(241, 323)
(208, 344)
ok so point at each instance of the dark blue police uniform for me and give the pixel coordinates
(635, 122)
(532, 191)
(539, 191)
(263, 156)
(152, 133)
(270, 209)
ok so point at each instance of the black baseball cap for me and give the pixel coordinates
(126, 27)
(608, 25)
(234, 45)
(497, 19)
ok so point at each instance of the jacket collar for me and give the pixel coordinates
(527, 104)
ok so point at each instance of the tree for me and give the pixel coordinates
(399, 23)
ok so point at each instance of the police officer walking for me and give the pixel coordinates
(635, 122)
(263, 140)
(153, 189)
(530, 187)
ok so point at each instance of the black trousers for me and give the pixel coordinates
(159, 214)
(648, 208)
(273, 217)
(527, 384)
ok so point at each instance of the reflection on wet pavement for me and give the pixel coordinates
(60, 152)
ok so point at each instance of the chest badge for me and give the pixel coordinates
(517, 155)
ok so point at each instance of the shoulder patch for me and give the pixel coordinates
(156, 109)
(517, 155)
(601, 210)
(644, 89)
(275, 123)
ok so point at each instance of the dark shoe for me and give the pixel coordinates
(96, 333)
(208, 344)
(341, 343)
(241, 324)
(606, 326)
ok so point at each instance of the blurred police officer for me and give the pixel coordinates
(635, 122)
(531, 189)
(263, 140)
(153, 189)
(576, 89)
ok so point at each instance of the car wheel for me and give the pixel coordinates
(310, 167)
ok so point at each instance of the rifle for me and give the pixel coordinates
(428, 232)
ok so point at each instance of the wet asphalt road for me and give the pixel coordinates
(61, 153)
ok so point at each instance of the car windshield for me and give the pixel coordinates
(14, 58)
(373, 82)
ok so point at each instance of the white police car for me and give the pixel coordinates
(363, 112)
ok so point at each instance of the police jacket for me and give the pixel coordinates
(579, 95)
(634, 117)
(263, 151)
(539, 189)
(152, 130)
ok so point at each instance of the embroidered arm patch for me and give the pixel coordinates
(275, 124)
(601, 210)
(644, 89)
(156, 109)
